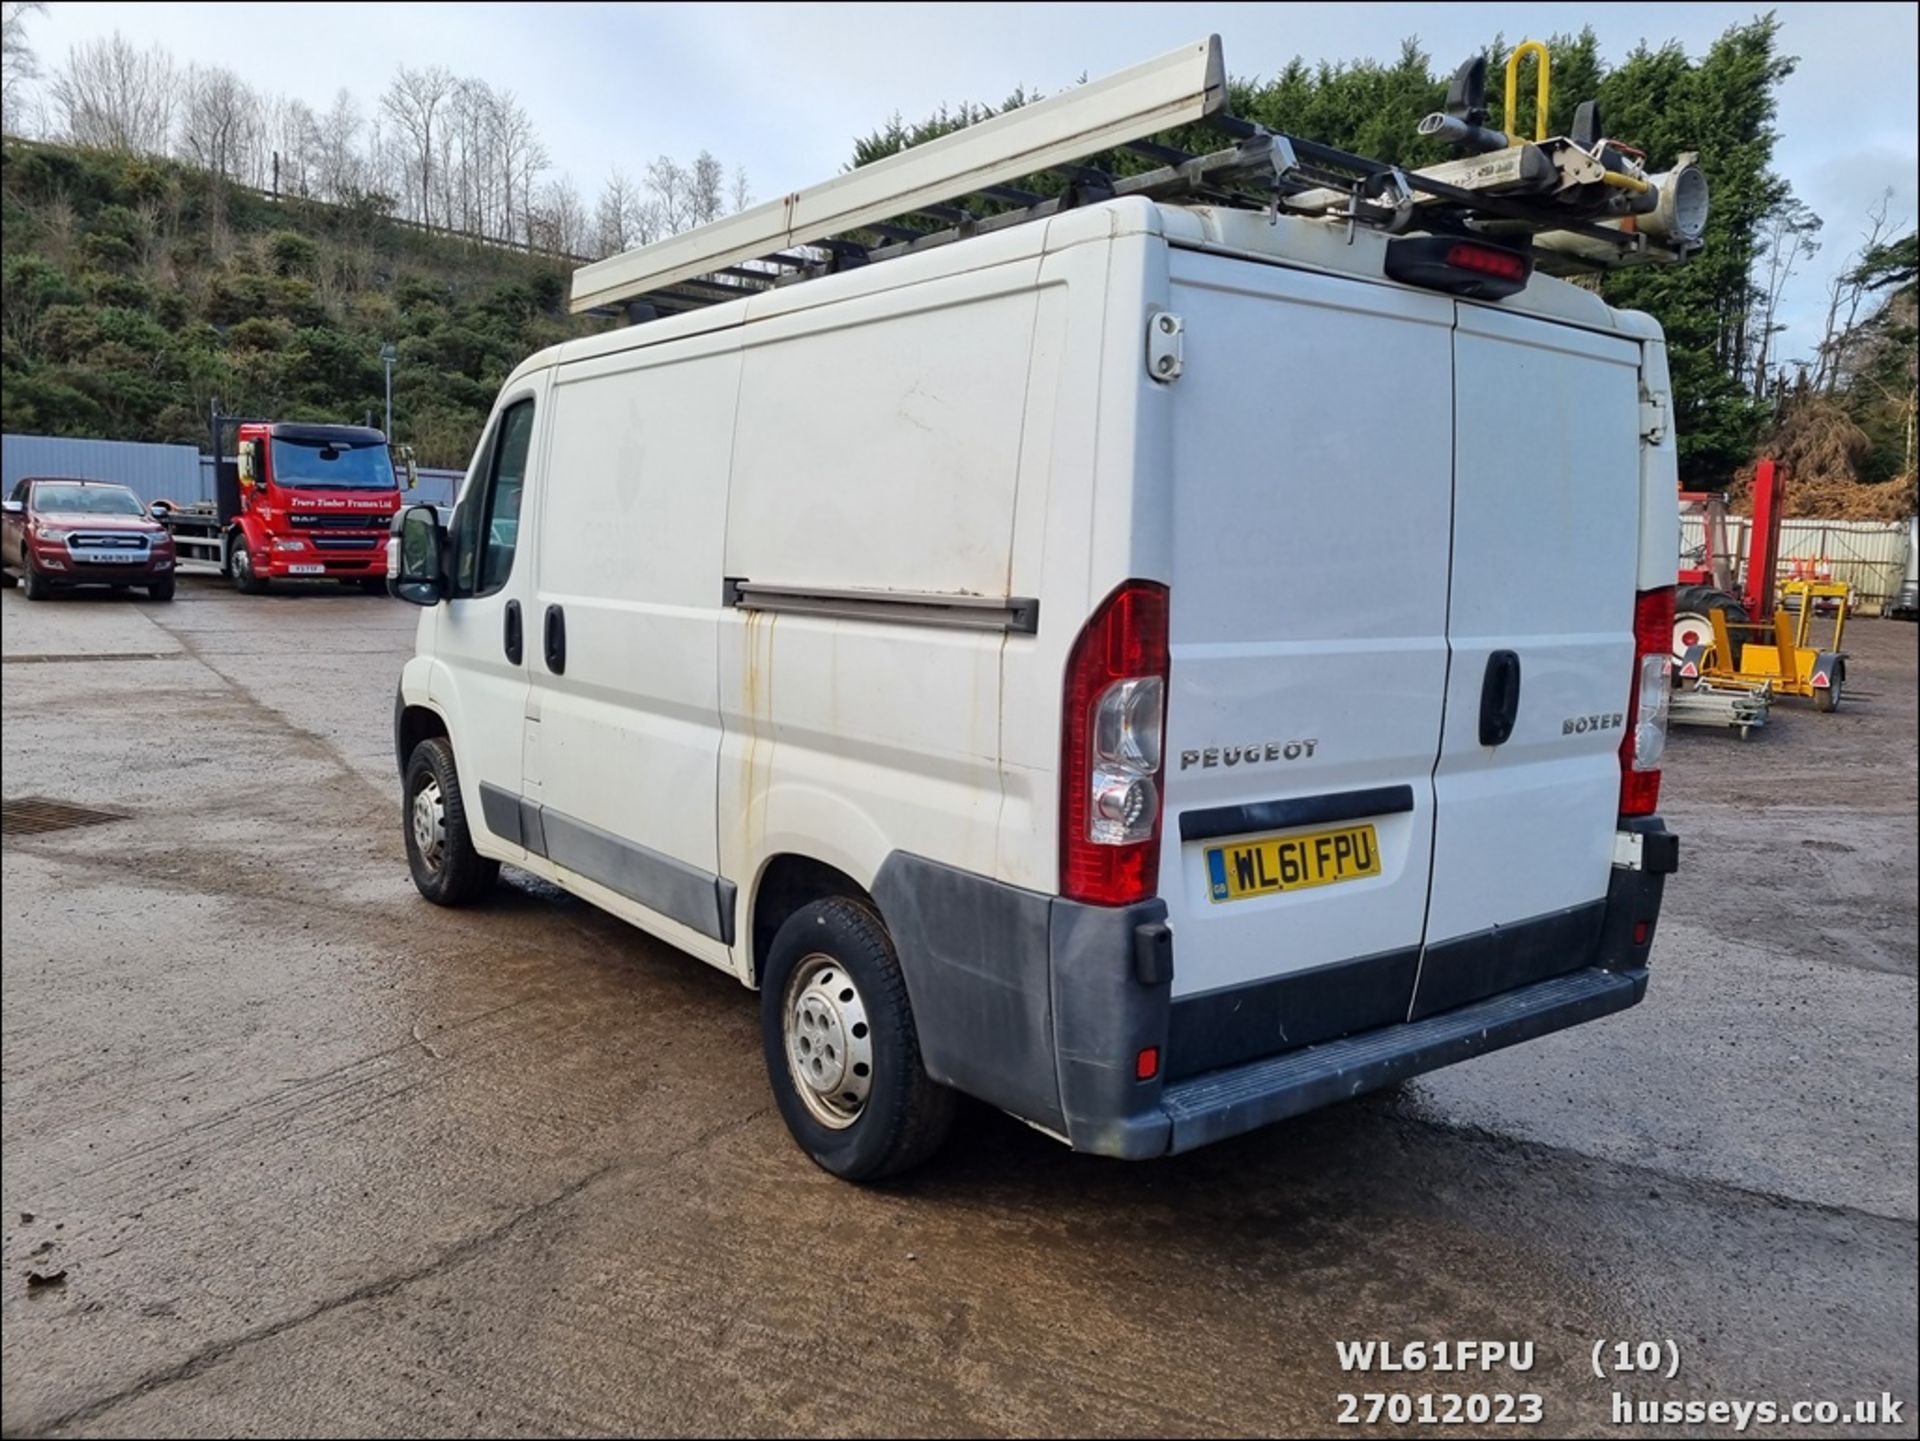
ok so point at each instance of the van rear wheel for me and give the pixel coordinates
(446, 869)
(841, 1049)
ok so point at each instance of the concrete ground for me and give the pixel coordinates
(315, 1157)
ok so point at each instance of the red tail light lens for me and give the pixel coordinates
(1485, 260)
(1111, 747)
(1647, 703)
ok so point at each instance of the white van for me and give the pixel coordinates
(1145, 668)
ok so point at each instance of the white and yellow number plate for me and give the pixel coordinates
(1266, 867)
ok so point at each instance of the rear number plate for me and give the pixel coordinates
(306, 570)
(1291, 863)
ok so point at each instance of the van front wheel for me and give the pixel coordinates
(841, 1048)
(446, 869)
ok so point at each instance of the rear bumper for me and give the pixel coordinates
(1041, 1006)
(1226, 1103)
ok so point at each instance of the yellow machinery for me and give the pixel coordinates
(1780, 658)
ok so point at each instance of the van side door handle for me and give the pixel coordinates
(1499, 698)
(556, 640)
(512, 637)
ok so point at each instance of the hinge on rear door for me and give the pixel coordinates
(1166, 333)
(1653, 418)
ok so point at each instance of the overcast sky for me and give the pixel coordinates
(784, 88)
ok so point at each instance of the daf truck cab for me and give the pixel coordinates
(302, 502)
(971, 653)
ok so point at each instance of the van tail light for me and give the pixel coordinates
(1647, 702)
(1471, 268)
(1111, 749)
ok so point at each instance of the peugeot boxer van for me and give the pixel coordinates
(1149, 669)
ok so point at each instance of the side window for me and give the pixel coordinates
(489, 525)
(20, 491)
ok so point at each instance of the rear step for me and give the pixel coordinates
(1226, 1103)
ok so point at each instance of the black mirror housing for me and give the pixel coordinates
(415, 542)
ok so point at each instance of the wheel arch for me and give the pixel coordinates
(413, 723)
(788, 881)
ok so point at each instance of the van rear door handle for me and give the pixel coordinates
(512, 637)
(556, 640)
(1499, 698)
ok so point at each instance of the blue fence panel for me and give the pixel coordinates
(154, 472)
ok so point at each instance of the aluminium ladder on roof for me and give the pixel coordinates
(813, 231)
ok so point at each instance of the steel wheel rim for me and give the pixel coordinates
(429, 820)
(242, 561)
(829, 1042)
(1690, 630)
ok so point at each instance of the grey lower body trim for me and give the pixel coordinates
(974, 954)
(697, 899)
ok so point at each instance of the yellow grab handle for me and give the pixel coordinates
(1513, 87)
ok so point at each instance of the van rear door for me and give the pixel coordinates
(1310, 506)
(1540, 626)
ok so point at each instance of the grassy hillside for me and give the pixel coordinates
(136, 291)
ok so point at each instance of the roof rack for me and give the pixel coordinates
(1581, 202)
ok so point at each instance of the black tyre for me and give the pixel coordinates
(37, 587)
(246, 579)
(1693, 609)
(841, 1049)
(1827, 697)
(160, 590)
(373, 584)
(446, 868)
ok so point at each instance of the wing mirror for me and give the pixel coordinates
(415, 540)
(404, 454)
(13, 507)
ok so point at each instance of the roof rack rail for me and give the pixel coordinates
(1583, 202)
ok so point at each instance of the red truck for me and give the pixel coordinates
(297, 502)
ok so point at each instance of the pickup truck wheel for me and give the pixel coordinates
(841, 1048)
(37, 587)
(446, 869)
(246, 579)
(161, 590)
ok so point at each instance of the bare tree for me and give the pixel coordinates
(341, 169)
(667, 194)
(519, 158)
(1845, 294)
(414, 102)
(1785, 238)
(219, 117)
(292, 130)
(114, 97)
(560, 219)
(705, 189)
(18, 63)
(618, 218)
(742, 197)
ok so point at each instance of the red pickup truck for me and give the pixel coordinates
(60, 532)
